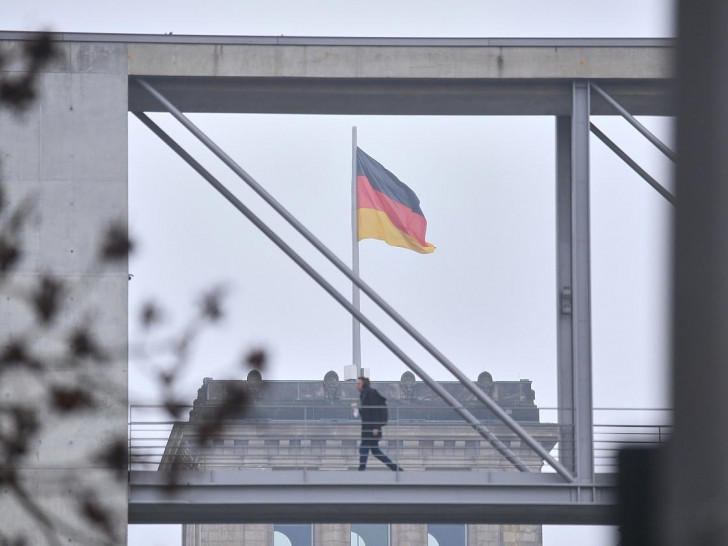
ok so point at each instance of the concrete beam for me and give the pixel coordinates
(418, 77)
(400, 61)
(390, 76)
(366, 497)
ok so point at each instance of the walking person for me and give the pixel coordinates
(373, 418)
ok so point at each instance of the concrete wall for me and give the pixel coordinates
(69, 154)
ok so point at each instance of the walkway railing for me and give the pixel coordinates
(418, 438)
(617, 428)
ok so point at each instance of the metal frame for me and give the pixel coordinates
(328, 287)
(632, 163)
(636, 124)
(573, 274)
(565, 290)
(280, 209)
(573, 283)
(622, 154)
(581, 286)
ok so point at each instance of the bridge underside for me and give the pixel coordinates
(299, 496)
(394, 96)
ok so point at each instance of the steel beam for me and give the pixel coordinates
(581, 279)
(664, 148)
(298, 496)
(624, 156)
(564, 294)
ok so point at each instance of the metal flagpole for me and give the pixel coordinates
(355, 301)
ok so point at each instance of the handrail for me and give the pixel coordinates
(332, 444)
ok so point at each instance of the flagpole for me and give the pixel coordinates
(356, 326)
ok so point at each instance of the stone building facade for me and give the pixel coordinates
(311, 424)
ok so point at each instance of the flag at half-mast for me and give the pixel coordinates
(387, 209)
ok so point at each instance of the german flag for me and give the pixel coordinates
(387, 209)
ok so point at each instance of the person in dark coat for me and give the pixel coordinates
(371, 424)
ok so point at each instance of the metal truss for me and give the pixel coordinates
(440, 391)
(579, 486)
(622, 154)
(574, 366)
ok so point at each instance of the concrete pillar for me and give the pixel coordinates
(331, 534)
(253, 534)
(521, 535)
(69, 152)
(485, 535)
(191, 535)
(408, 534)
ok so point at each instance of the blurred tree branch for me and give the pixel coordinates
(78, 348)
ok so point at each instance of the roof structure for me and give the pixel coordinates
(408, 399)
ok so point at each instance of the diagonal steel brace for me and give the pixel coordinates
(632, 163)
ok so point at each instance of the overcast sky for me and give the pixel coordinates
(486, 298)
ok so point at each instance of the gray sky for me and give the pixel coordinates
(486, 297)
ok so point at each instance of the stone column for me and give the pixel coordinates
(191, 535)
(251, 534)
(485, 535)
(408, 534)
(522, 535)
(332, 534)
(254, 534)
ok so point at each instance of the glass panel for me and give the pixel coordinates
(279, 539)
(371, 534)
(299, 535)
(451, 535)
